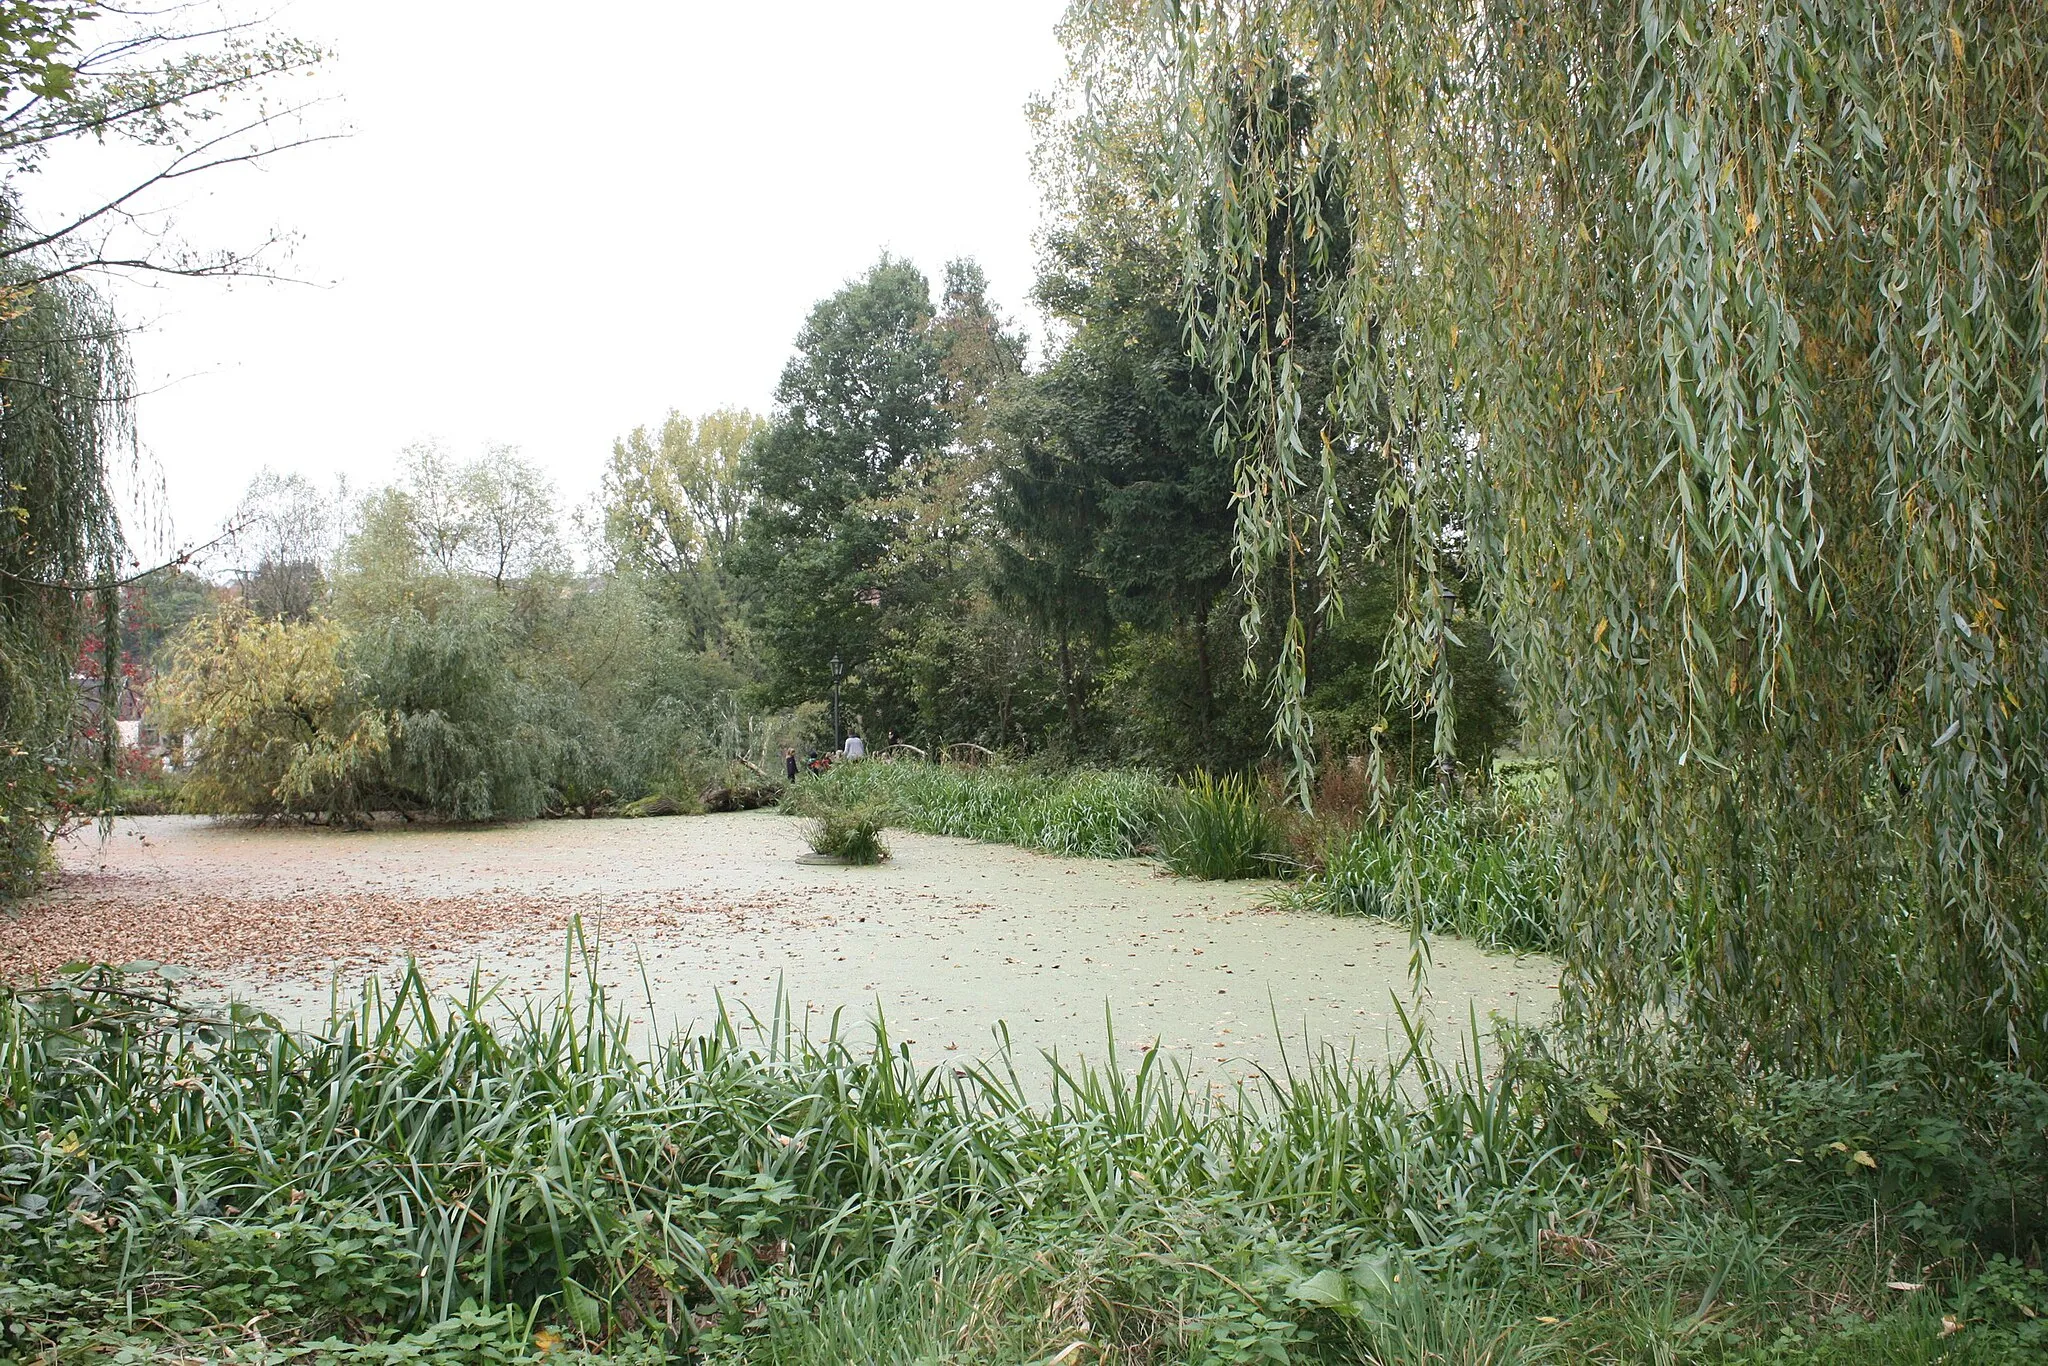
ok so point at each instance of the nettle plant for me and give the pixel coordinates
(1696, 348)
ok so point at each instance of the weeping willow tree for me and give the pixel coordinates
(64, 421)
(1707, 339)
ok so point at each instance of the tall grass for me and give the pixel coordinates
(1084, 813)
(853, 834)
(426, 1172)
(1215, 828)
(545, 1156)
(1207, 827)
(1487, 870)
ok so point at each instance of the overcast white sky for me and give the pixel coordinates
(554, 222)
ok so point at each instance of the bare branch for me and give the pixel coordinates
(179, 561)
(190, 162)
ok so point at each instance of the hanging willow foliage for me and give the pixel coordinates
(64, 420)
(1707, 339)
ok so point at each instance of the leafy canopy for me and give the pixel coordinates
(1708, 338)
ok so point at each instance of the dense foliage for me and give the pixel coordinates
(64, 391)
(1666, 380)
(1706, 342)
(441, 659)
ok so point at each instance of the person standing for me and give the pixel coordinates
(789, 762)
(856, 748)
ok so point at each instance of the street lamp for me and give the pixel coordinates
(837, 670)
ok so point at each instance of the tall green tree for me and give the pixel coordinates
(1706, 340)
(859, 402)
(1120, 501)
(1045, 568)
(951, 649)
(870, 485)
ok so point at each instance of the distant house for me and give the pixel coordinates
(129, 709)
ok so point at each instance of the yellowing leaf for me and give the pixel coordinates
(547, 1340)
(1864, 1159)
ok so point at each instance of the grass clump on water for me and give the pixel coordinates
(429, 1180)
(850, 833)
(1215, 828)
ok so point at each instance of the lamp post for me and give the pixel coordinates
(837, 670)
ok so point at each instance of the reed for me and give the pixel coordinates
(1216, 828)
(472, 1180)
(1488, 871)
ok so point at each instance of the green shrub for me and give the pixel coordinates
(157, 795)
(854, 834)
(1216, 828)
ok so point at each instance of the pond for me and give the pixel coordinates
(952, 941)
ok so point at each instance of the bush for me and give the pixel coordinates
(277, 724)
(1955, 1157)
(157, 796)
(854, 834)
(1216, 828)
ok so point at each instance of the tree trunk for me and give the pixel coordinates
(1205, 686)
(1067, 685)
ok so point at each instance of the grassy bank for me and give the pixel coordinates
(429, 1182)
(1084, 813)
(1485, 869)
